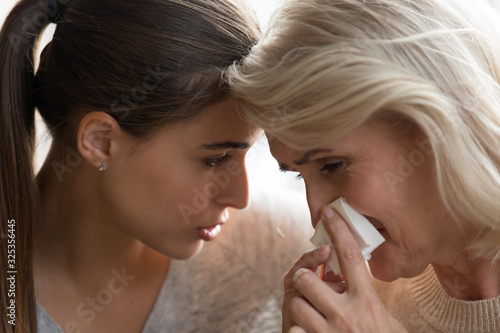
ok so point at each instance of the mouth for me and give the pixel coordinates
(377, 224)
(208, 233)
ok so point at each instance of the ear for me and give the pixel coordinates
(96, 133)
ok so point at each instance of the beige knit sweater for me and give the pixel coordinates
(422, 306)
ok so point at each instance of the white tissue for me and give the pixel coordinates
(362, 230)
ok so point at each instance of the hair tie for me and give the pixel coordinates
(54, 10)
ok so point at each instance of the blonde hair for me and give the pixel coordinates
(327, 66)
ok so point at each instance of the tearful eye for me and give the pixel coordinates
(215, 162)
(332, 167)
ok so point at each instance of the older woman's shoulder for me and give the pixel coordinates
(420, 304)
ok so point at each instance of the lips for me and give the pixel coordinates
(208, 233)
(376, 223)
(225, 215)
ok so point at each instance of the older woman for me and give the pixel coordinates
(394, 105)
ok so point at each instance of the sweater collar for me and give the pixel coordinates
(451, 314)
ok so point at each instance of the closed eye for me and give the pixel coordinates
(285, 168)
(332, 167)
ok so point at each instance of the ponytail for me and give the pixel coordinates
(18, 197)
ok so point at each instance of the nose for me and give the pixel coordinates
(318, 195)
(234, 191)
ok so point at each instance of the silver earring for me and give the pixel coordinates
(102, 167)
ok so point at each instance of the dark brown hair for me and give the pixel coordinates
(144, 62)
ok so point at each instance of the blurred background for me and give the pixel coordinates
(262, 168)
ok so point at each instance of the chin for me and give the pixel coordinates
(178, 250)
(382, 274)
(388, 271)
(184, 253)
(384, 270)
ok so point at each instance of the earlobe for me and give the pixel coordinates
(95, 136)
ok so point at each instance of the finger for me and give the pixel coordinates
(352, 262)
(296, 329)
(306, 316)
(287, 320)
(338, 287)
(318, 293)
(309, 260)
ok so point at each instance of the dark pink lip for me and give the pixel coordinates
(208, 233)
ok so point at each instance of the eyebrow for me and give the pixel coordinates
(226, 145)
(307, 156)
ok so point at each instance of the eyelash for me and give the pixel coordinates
(216, 162)
(332, 167)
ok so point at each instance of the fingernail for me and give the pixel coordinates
(327, 212)
(298, 273)
(327, 248)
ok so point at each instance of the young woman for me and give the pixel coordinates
(394, 105)
(147, 156)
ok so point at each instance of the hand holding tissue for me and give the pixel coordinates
(365, 234)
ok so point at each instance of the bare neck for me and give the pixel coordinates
(469, 278)
(76, 235)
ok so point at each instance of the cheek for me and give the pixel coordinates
(165, 190)
(397, 210)
(366, 191)
(152, 188)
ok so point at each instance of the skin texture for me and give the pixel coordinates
(406, 214)
(409, 214)
(128, 216)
